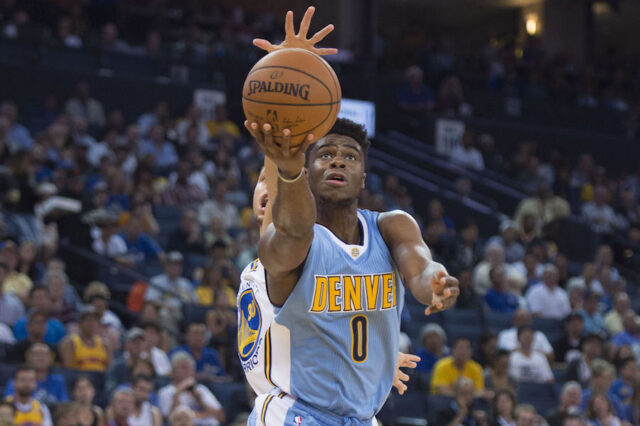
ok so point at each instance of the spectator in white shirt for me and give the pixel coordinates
(508, 339)
(601, 215)
(466, 155)
(184, 390)
(547, 300)
(527, 365)
(153, 336)
(83, 105)
(219, 206)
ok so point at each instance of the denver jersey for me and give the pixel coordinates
(255, 314)
(334, 343)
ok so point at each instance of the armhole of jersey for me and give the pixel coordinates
(266, 280)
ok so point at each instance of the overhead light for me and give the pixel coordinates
(531, 24)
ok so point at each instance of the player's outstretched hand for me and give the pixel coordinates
(289, 160)
(404, 360)
(444, 291)
(300, 40)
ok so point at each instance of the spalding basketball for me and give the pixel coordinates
(292, 89)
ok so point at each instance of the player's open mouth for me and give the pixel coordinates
(263, 201)
(336, 179)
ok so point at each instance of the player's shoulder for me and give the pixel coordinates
(395, 220)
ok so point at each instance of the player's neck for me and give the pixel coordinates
(342, 220)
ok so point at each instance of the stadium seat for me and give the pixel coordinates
(560, 375)
(541, 395)
(435, 404)
(497, 321)
(194, 313)
(408, 409)
(469, 331)
(228, 394)
(463, 317)
(552, 328)
(6, 373)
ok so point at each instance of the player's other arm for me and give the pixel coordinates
(427, 280)
(285, 243)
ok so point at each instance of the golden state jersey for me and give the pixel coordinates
(255, 314)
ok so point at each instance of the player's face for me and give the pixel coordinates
(260, 196)
(336, 168)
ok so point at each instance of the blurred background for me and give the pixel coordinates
(508, 128)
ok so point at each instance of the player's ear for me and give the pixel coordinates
(364, 179)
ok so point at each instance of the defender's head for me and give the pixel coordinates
(337, 163)
(260, 197)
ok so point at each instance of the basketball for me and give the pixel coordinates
(292, 89)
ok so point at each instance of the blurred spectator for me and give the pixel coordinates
(11, 308)
(462, 411)
(498, 299)
(526, 364)
(15, 282)
(466, 154)
(64, 34)
(602, 375)
(63, 297)
(159, 148)
(182, 193)
(547, 300)
(613, 319)
(508, 339)
(491, 156)
(600, 411)
(28, 410)
(486, 349)
(435, 213)
(119, 370)
(98, 295)
(508, 239)
(36, 328)
(188, 237)
(568, 347)
(83, 393)
(450, 100)
(208, 364)
(468, 251)
(184, 390)
(50, 388)
(66, 414)
(141, 247)
(86, 351)
(144, 414)
(18, 136)
(182, 416)
(497, 376)
(158, 116)
(622, 387)
(544, 207)
(121, 407)
(433, 348)
(449, 370)
(593, 319)
(171, 291)
(493, 257)
(414, 97)
(84, 106)
(219, 206)
(153, 340)
(39, 300)
(526, 415)
(29, 265)
(570, 397)
(106, 241)
(579, 368)
(214, 289)
(111, 41)
(601, 215)
(629, 336)
(221, 125)
(193, 120)
(503, 408)
(468, 299)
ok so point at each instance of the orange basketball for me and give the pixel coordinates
(292, 89)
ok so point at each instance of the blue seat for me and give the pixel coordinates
(560, 375)
(497, 321)
(552, 328)
(229, 395)
(436, 404)
(408, 409)
(469, 331)
(541, 395)
(6, 373)
(194, 313)
(463, 317)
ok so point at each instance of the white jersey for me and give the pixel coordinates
(145, 418)
(255, 315)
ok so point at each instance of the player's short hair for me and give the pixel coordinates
(353, 130)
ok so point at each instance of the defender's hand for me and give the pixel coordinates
(444, 290)
(289, 160)
(404, 360)
(300, 41)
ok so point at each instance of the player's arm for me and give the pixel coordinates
(427, 280)
(285, 243)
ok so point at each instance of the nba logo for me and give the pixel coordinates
(297, 420)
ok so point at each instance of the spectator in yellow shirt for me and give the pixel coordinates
(214, 289)
(221, 124)
(449, 370)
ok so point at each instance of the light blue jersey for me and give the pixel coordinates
(334, 343)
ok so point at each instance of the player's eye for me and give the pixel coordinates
(350, 157)
(325, 155)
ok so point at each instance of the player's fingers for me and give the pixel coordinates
(317, 37)
(451, 292)
(253, 128)
(401, 387)
(263, 44)
(326, 51)
(409, 364)
(402, 376)
(288, 24)
(285, 147)
(267, 130)
(306, 22)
